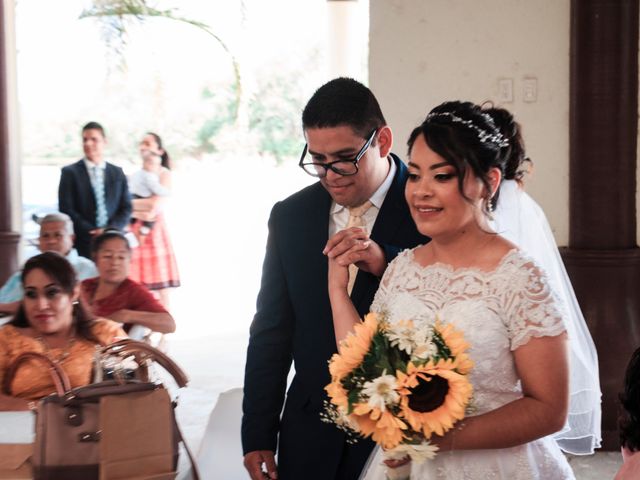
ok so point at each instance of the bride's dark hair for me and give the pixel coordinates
(516, 161)
(466, 136)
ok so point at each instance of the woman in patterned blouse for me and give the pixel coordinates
(50, 321)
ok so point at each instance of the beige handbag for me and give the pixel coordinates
(115, 429)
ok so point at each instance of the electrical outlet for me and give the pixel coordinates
(505, 90)
(530, 89)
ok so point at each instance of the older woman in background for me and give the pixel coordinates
(115, 296)
(50, 321)
(56, 235)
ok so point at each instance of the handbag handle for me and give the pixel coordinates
(142, 352)
(58, 375)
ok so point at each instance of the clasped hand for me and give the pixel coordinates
(352, 246)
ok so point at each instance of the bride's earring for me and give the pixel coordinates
(490, 208)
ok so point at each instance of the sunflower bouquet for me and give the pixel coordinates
(399, 384)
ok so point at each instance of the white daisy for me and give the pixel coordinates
(424, 345)
(401, 335)
(381, 391)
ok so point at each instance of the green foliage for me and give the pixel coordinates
(353, 397)
(275, 111)
(224, 107)
(116, 17)
(443, 349)
(220, 102)
(381, 359)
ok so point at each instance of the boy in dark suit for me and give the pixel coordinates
(361, 183)
(93, 192)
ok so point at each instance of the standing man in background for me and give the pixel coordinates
(93, 192)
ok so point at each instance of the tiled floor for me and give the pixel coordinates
(601, 466)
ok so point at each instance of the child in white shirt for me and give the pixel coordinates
(145, 183)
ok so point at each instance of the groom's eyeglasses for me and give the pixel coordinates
(341, 167)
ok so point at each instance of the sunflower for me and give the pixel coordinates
(433, 396)
(384, 428)
(352, 351)
(457, 345)
(337, 394)
(353, 348)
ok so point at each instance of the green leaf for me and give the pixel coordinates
(353, 397)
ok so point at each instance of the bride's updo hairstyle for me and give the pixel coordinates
(466, 136)
(517, 162)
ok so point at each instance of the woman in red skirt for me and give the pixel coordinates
(153, 262)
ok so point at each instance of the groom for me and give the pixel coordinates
(349, 149)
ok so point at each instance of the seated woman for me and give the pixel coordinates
(51, 321)
(113, 295)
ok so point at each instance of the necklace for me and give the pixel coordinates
(59, 359)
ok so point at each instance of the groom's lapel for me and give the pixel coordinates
(390, 216)
(316, 234)
(387, 223)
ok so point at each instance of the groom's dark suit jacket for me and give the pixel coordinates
(293, 322)
(76, 199)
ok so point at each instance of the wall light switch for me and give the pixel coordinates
(505, 90)
(530, 89)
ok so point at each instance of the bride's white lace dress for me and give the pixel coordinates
(498, 311)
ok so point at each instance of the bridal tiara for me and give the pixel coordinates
(483, 135)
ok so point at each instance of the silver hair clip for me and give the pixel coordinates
(483, 135)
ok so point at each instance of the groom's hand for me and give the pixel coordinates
(353, 245)
(253, 462)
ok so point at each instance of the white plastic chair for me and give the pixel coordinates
(16, 438)
(17, 427)
(138, 332)
(220, 453)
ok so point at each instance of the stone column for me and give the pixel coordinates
(8, 238)
(603, 258)
(345, 39)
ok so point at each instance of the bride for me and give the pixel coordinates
(480, 282)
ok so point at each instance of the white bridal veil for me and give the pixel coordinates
(521, 220)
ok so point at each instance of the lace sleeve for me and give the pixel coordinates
(532, 308)
(380, 299)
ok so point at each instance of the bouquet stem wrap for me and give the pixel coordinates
(402, 472)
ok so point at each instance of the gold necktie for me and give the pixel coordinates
(356, 220)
